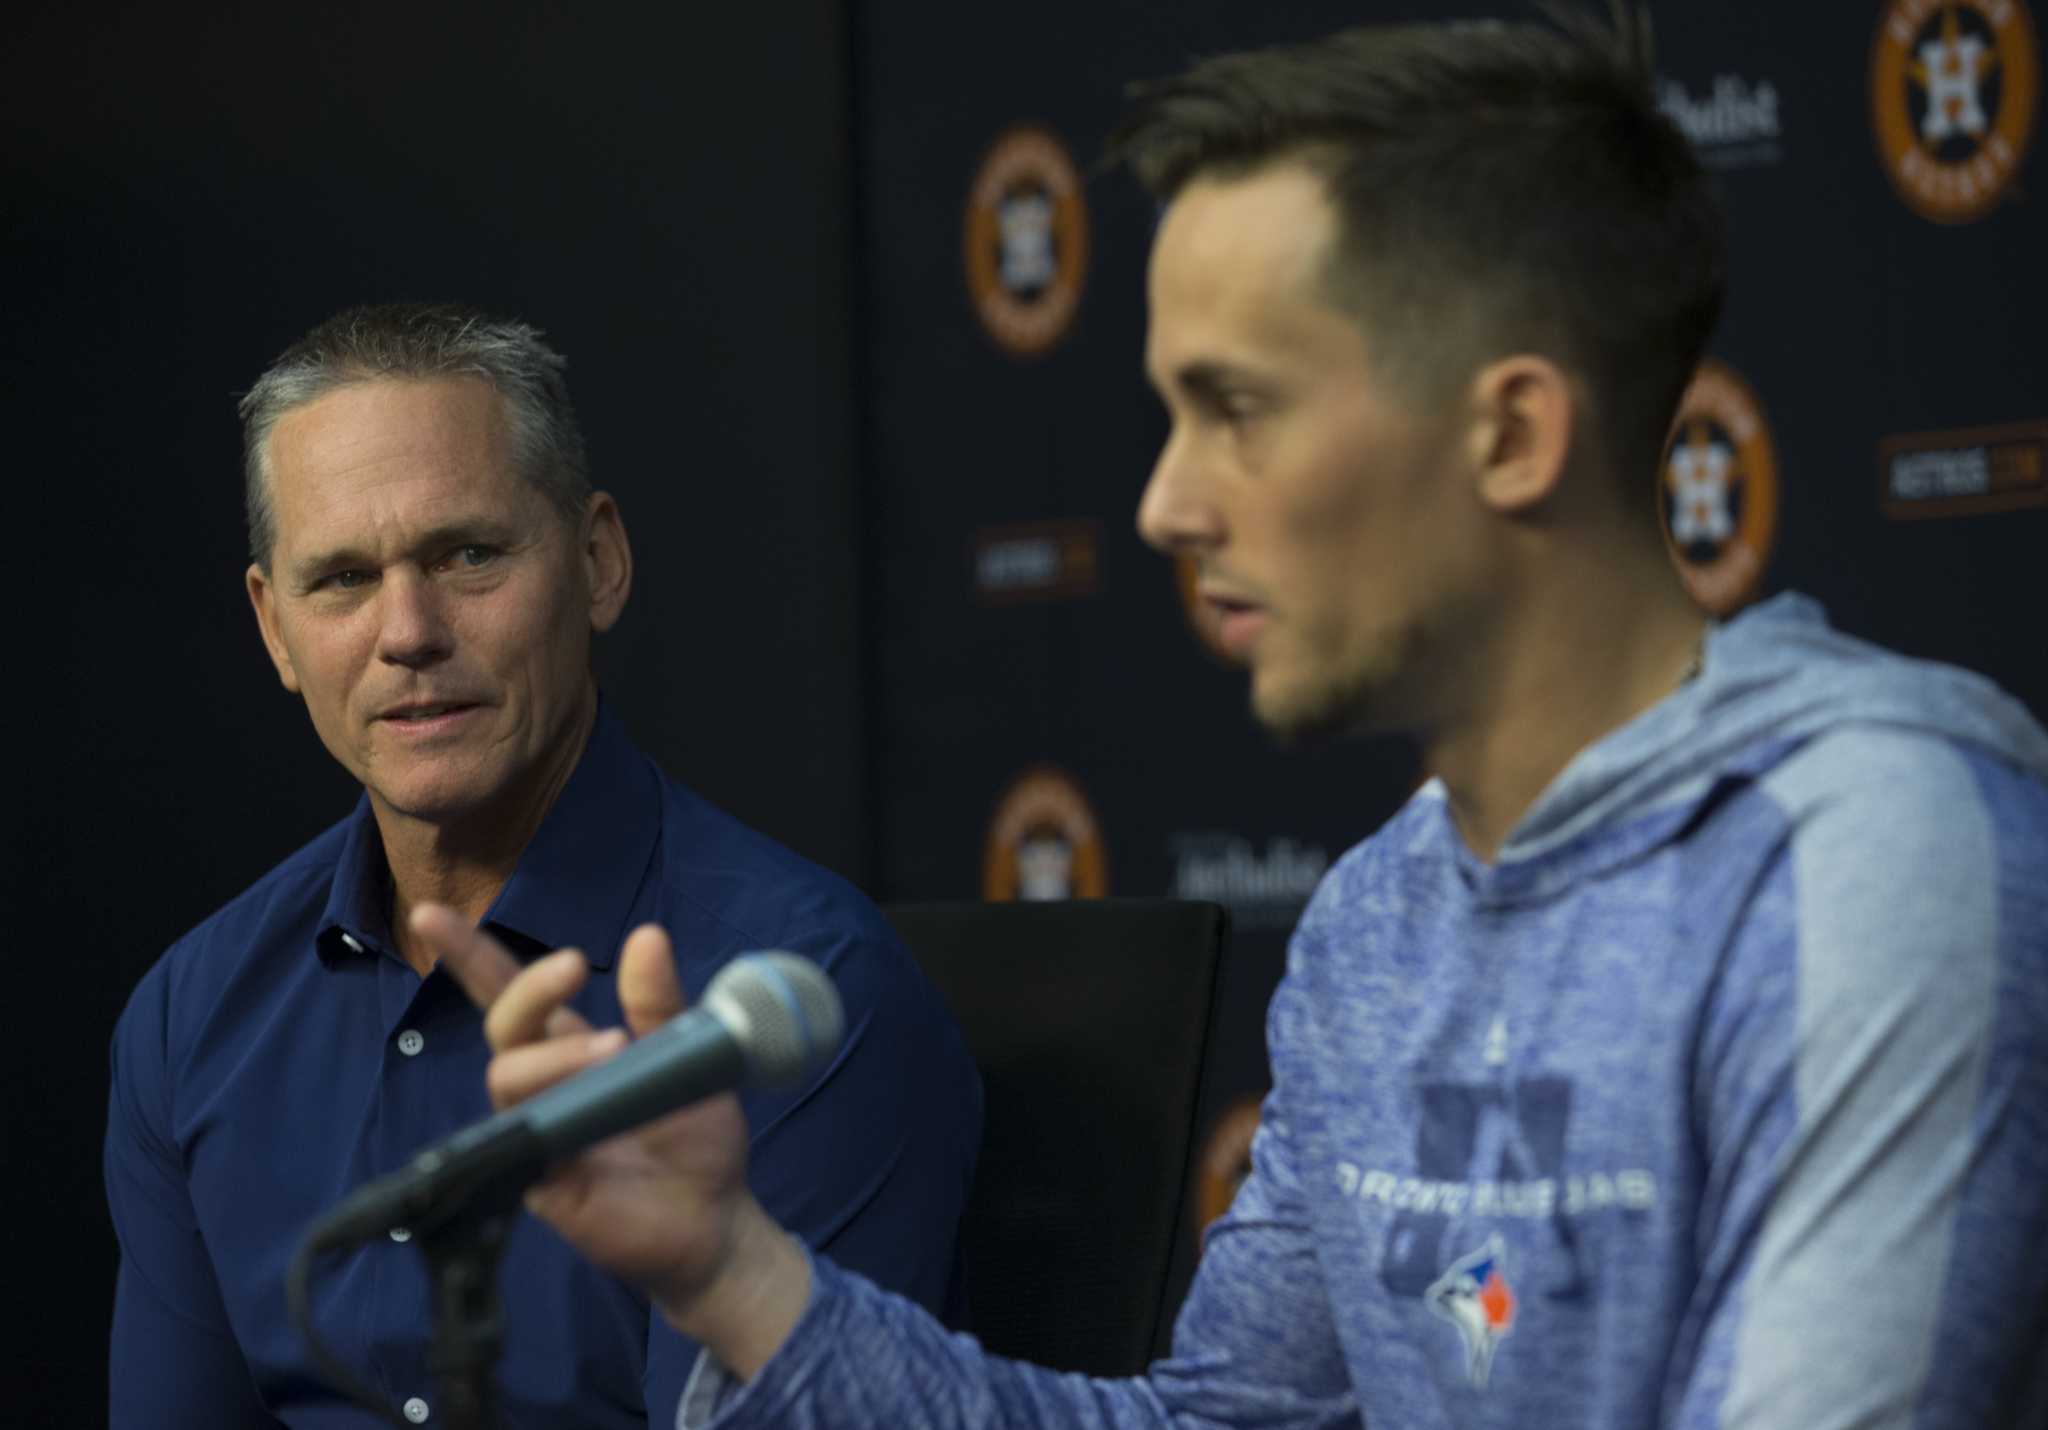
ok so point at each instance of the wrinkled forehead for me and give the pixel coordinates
(387, 455)
(439, 420)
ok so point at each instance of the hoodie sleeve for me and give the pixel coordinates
(1874, 1096)
(1254, 1345)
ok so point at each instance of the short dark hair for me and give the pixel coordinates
(420, 341)
(1499, 187)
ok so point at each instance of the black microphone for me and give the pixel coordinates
(766, 1018)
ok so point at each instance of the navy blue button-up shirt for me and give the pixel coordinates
(282, 1053)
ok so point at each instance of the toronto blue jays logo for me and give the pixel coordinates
(1474, 1296)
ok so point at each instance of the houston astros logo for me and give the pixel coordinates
(1719, 489)
(1027, 240)
(1952, 89)
(1044, 842)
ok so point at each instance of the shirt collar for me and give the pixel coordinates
(574, 884)
(357, 917)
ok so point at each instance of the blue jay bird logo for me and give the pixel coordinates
(1474, 1296)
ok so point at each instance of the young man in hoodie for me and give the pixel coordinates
(1676, 1056)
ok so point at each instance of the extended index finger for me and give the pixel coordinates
(479, 964)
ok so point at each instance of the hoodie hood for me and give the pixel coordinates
(1770, 680)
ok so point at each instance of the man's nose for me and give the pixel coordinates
(414, 630)
(1177, 514)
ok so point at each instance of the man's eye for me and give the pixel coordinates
(1234, 408)
(470, 557)
(347, 580)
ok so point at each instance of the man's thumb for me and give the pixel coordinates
(649, 994)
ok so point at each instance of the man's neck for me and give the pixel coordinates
(1577, 661)
(466, 862)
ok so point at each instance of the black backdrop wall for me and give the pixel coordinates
(889, 606)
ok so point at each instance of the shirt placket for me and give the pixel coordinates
(432, 1042)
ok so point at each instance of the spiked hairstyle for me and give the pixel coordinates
(1498, 187)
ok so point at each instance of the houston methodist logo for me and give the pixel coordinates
(1719, 489)
(1733, 124)
(1027, 240)
(1952, 90)
(1043, 842)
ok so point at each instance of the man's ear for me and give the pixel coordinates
(607, 560)
(263, 599)
(1524, 409)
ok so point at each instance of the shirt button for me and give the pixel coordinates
(400, 1233)
(410, 1042)
(416, 1410)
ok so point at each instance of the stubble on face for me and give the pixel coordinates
(1311, 493)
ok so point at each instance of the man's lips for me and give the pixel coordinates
(427, 715)
(1238, 620)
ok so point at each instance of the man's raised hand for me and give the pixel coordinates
(665, 1206)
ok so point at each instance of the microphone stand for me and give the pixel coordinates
(459, 1196)
(462, 1247)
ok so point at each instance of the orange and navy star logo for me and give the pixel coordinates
(1953, 85)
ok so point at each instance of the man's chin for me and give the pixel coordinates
(436, 804)
(1311, 719)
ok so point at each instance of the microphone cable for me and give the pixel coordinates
(298, 1292)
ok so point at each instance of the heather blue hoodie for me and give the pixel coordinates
(1720, 1098)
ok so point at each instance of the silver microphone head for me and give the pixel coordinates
(782, 1009)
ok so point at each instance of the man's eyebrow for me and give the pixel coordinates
(464, 531)
(1210, 377)
(311, 567)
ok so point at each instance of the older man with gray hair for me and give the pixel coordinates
(429, 568)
